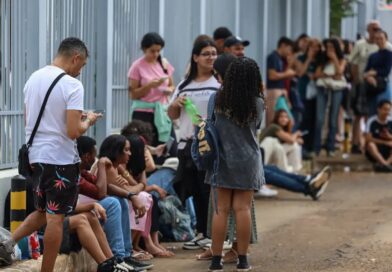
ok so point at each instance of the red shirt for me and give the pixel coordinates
(87, 185)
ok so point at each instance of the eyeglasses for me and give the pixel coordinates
(209, 54)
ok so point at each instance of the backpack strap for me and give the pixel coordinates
(211, 107)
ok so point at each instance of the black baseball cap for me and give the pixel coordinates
(230, 41)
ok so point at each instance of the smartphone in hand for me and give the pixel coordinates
(169, 145)
(305, 132)
(99, 111)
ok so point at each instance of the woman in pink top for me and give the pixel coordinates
(150, 83)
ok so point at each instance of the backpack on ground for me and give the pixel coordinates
(174, 222)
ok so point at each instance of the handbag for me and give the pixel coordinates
(24, 167)
(329, 82)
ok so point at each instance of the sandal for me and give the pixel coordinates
(205, 256)
(230, 256)
(142, 255)
(163, 254)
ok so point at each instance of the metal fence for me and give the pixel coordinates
(17, 62)
(31, 31)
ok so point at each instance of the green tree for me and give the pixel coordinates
(340, 9)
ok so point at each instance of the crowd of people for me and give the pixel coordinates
(110, 201)
(310, 82)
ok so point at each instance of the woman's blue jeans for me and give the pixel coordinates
(322, 103)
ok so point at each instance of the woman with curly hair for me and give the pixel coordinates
(239, 112)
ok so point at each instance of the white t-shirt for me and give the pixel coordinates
(199, 93)
(51, 144)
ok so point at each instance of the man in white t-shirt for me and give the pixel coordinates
(53, 154)
(358, 59)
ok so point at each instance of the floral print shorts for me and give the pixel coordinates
(55, 187)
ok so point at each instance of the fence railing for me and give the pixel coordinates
(31, 30)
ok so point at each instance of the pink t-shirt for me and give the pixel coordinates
(144, 72)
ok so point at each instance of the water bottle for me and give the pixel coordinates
(192, 111)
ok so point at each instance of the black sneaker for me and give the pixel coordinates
(378, 167)
(6, 252)
(138, 265)
(110, 265)
(216, 264)
(243, 265)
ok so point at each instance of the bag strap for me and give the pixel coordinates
(41, 112)
(211, 107)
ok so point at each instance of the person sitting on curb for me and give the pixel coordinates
(94, 187)
(82, 230)
(379, 137)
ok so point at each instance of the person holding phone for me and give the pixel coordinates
(150, 84)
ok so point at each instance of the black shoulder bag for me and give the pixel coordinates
(24, 167)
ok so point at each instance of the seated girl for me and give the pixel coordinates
(282, 147)
(140, 162)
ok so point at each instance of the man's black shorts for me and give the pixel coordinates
(55, 187)
(384, 150)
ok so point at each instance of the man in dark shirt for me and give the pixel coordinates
(117, 226)
(379, 137)
(276, 74)
(379, 65)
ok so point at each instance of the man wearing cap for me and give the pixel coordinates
(235, 46)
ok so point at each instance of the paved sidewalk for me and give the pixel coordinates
(347, 230)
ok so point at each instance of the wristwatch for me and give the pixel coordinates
(130, 195)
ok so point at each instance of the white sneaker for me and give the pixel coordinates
(265, 191)
(226, 245)
(197, 243)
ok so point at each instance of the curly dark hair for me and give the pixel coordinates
(237, 97)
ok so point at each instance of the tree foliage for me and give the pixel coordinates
(340, 9)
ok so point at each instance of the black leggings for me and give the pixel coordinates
(155, 214)
(190, 182)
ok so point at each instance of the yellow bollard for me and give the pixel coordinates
(347, 129)
(18, 201)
